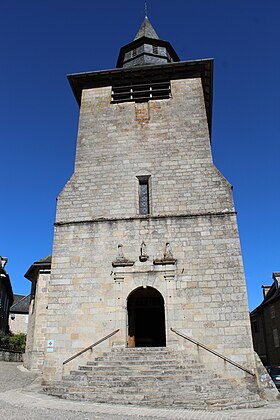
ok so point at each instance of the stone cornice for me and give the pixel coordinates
(149, 217)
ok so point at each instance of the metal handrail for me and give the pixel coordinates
(226, 359)
(90, 347)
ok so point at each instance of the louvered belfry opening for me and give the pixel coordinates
(143, 91)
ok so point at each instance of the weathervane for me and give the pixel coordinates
(146, 9)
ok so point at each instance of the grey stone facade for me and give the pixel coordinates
(185, 250)
(191, 208)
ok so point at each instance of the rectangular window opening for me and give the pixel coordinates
(155, 49)
(255, 326)
(144, 199)
(275, 337)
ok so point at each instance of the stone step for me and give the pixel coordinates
(144, 375)
(144, 359)
(145, 352)
(143, 370)
(176, 378)
(152, 350)
(161, 393)
(159, 383)
(162, 399)
(151, 385)
(129, 391)
(139, 362)
(154, 377)
(149, 388)
(131, 383)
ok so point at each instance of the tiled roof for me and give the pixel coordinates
(17, 298)
(272, 294)
(21, 304)
(43, 263)
(47, 259)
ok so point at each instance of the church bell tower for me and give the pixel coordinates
(146, 245)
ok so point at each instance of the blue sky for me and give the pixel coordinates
(44, 40)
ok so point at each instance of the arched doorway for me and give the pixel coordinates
(146, 319)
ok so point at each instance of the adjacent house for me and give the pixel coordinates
(6, 296)
(265, 322)
(19, 311)
(39, 275)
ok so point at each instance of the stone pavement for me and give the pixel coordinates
(21, 397)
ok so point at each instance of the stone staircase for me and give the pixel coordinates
(155, 377)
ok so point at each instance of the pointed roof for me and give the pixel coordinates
(147, 30)
(146, 49)
(272, 294)
(43, 263)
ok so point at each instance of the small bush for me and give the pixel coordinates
(17, 342)
(14, 342)
(4, 340)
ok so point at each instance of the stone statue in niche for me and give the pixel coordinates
(143, 252)
(120, 256)
(143, 249)
(121, 261)
(168, 255)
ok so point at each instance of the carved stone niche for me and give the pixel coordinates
(121, 261)
(143, 252)
(167, 256)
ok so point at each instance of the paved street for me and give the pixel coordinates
(21, 398)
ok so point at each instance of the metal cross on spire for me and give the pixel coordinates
(146, 9)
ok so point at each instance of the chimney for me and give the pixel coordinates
(265, 290)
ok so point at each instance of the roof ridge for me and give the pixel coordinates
(19, 301)
(19, 294)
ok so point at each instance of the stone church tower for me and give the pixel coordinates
(146, 239)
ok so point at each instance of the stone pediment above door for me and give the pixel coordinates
(147, 274)
(145, 271)
(123, 261)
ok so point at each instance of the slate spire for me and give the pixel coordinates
(146, 49)
(146, 30)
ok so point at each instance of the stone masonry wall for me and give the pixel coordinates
(191, 207)
(18, 324)
(171, 144)
(36, 333)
